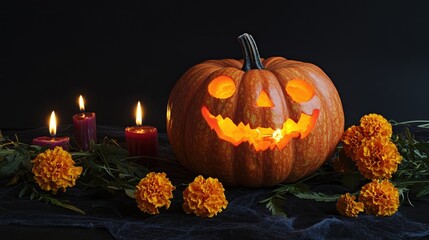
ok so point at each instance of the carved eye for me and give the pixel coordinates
(300, 90)
(222, 87)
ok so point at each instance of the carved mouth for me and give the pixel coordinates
(261, 138)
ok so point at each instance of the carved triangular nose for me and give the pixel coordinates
(264, 100)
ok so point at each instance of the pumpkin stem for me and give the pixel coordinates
(250, 53)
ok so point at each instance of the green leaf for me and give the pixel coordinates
(6, 152)
(284, 188)
(23, 191)
(274, 205)
(36, 148)
(424, 147)
(317, 196)
(33, 195)
(113, 187)
(130, 193)
(10, 165)
(423, 192)
(404, 195)
(64, 205)
(425, 125)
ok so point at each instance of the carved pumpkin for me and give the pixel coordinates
(254, 122)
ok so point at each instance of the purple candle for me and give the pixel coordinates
(52, 141)
(141, 140)
(85, 127)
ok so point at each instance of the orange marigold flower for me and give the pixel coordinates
(351, 140)
(347, 206)
(375, 124)
(204, 197)
(54, 169)
(378, 158)
(380, 198)
(154, 191)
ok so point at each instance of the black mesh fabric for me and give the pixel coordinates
(244, 218)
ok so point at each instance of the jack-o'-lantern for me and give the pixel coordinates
(254, 122)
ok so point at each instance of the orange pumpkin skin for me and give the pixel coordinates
(198, 147)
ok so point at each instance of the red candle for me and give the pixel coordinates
(141, 140)
(85, 127)
(52, 141)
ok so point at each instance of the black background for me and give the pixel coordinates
(116, 53)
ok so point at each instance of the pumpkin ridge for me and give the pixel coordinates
(291, 149)
(272, 62)
(235, 74)
(196, 75)
(235, 166)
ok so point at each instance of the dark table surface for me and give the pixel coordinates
(115, 216)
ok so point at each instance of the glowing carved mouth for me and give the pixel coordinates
(261, 138)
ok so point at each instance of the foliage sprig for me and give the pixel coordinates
(106, 166)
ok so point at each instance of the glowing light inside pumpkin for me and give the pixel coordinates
(264, 100)
(277, 135)
(300, 90)
(222, 87)
(261, 138)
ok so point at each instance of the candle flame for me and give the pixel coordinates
(81, 103)
(139, 114)
(53, 124)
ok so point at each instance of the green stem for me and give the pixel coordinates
(413, 182)
(424, 125)
(250, 51)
